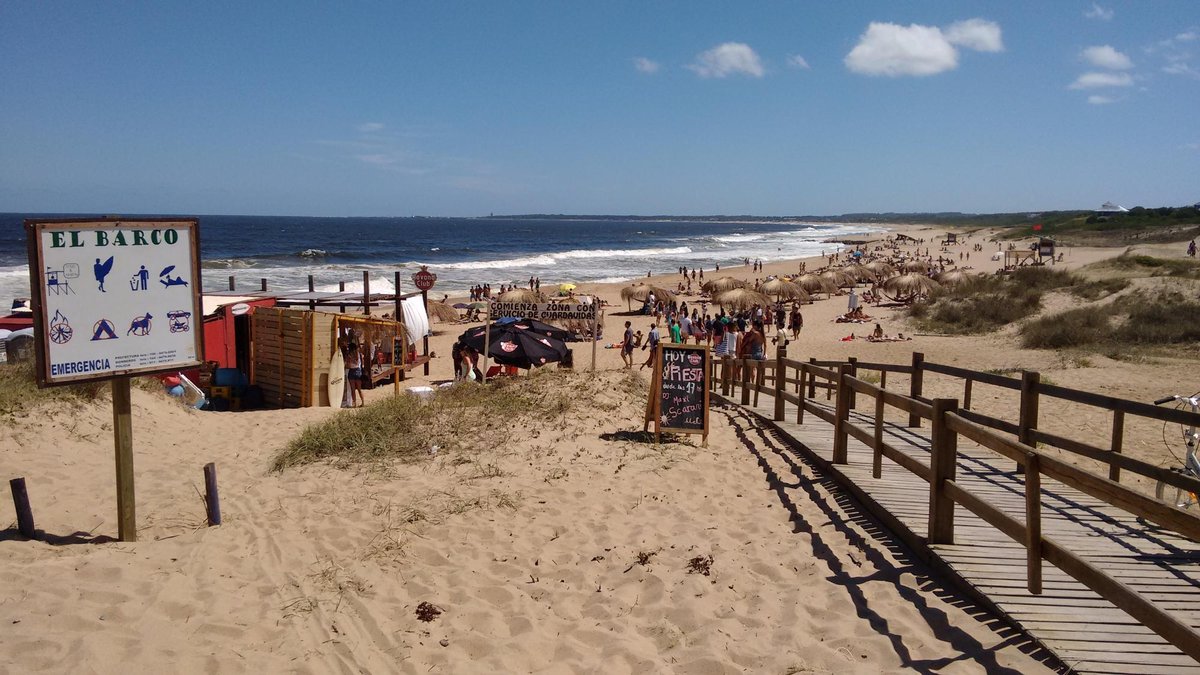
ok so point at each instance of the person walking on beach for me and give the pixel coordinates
(627, 345)
(652, 339)
(796, 322)
(354, 364)
(676, 332)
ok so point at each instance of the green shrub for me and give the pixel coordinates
(1073, 328)
(1099, 288)
(1168, 318)
(985, 303)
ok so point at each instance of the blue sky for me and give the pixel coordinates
(466, 108)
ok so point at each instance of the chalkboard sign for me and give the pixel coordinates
(679, 393)
(397, 352)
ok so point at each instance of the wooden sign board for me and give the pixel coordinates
(679, 390)
(114, 297)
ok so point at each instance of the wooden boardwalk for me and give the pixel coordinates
(1085, 631)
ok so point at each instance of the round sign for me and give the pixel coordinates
(424, 279)
(239, 309)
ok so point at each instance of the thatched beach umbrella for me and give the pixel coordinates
(859, 272)
(522, 295)
(908, 287)
(917, 266)
(880, 269)
(443, 312)
(839, 277)
(781, 289)
(815, 283)
(953, 277)
(722, 284)
(738, 299)
(640, 292)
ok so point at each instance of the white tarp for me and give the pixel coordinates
(416, 321)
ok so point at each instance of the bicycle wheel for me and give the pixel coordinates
(1174, 496)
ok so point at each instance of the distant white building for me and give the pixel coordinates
(1109, 207)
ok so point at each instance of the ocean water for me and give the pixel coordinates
(461, 251)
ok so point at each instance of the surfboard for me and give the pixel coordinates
(337, 379)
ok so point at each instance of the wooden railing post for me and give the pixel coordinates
(916, 381)
(20, 496)
(812, 385)
(1028, 419)
(840, 437)
(853, 362)
(942, 465)
(1118, 436)
(801, 389)
(877, 459)
(726, 375)
(745, 363)
(967, 394)
(1033, 523)
(233, 283)
(780, 380)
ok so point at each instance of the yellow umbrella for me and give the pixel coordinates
(566, 288)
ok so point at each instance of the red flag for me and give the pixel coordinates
(1037, 227)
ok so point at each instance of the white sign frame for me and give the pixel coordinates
(544, 311)
(171, 336)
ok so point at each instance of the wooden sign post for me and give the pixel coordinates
(115, 298)
(678, 400)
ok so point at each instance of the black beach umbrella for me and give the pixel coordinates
(520, 343)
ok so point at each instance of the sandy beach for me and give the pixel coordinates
(563, 547)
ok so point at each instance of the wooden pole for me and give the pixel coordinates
(842, 413)
(745, 364)
(1118, 436)
(212, 500)
(915, 385)
(942, 465)
(1028, 416)
(812, 381)
(1033, 523)
(487, 342)
(123, 441)
(425, 337)
(312, 304)
(342, 289)
(595, 324)
(877, 458)
(263, 281)
(967, 394)
(780, 378)
(232, 283)
(801, 373)
(366, 293)
(853, 361)
(24, 513)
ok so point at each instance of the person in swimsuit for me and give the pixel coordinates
(354, 375)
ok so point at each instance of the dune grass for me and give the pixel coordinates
(1138, 320)
(1137, 265)
(986, 303)
(19, 391)
(464, 417)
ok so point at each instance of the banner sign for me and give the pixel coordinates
(114, 297)
(544, 311)
(679, 391)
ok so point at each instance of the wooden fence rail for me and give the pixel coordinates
(1014, 441)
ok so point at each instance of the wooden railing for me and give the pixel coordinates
(948, 421)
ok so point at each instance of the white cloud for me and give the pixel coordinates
(645, 65)
(797, 61)
(1105, 56)
(370, 127)
(1097, 99)
(377, 159)
(894, 50)
(1098, 12)
(1191, 146)
(730, 58)
(1181, 68)
(977, 34)
(1096, 80)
